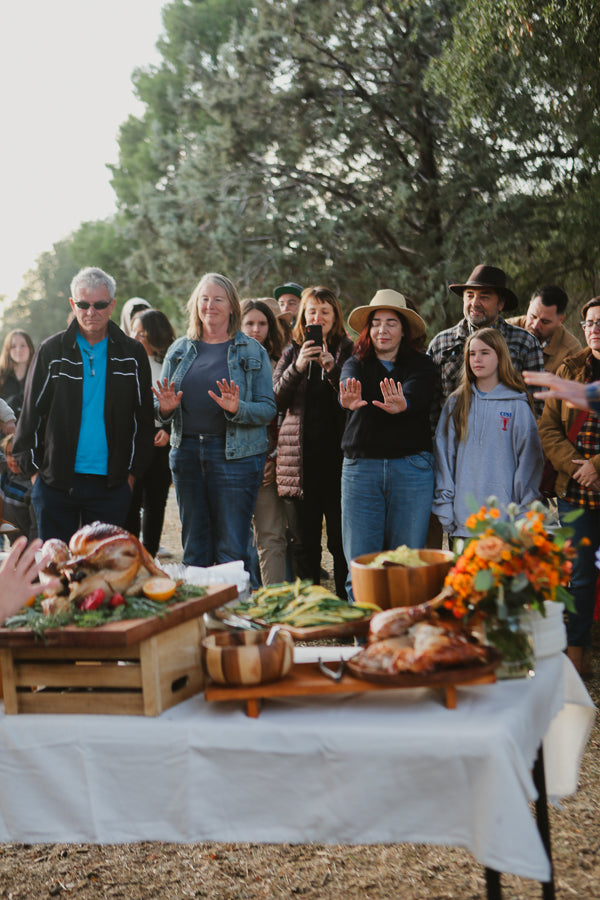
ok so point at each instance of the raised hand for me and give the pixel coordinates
(394, 400)
(351, 394)
(230, 396)
(18, 576)
(168, 398)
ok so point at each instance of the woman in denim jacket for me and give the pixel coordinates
(216, 391)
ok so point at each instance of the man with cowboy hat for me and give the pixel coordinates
(484, 295)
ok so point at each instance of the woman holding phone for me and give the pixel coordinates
(309, 455)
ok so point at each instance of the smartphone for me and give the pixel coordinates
(315, 333)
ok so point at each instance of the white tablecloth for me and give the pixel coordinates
(363, 768)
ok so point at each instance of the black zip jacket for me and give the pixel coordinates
(48, 428)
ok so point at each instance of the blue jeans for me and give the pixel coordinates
(216, 498)
(60, 514)
(385, 503)
(584, 574)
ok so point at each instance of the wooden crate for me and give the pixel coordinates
(134, 667)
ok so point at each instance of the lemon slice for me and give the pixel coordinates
(159, 588)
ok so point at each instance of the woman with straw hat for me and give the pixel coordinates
(388, 387)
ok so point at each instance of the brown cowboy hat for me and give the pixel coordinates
(387, 299)
(489, 277)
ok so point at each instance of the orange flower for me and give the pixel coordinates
(490, 548)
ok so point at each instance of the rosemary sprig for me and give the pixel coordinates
(33, 617)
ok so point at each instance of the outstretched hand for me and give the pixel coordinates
(230, 396)
(351, 394)
(571, 392)
(18, 576)
(168, 398)
(394, 400)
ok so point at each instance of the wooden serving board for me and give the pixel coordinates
(306, 679)
(126, 632)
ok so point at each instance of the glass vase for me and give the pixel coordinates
(513, 637)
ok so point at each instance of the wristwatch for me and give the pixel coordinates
(592, 395)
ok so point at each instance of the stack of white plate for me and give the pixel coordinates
(549, 632)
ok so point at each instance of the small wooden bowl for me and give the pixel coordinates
(243, 657)
(395, 585)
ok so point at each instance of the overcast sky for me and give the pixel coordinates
(65, 87)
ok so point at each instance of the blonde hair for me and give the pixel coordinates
(507, 375)
(194, 331)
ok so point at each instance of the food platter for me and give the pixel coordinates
(357, 628)
(437, 678)
(325, 632)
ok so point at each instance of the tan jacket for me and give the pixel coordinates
(555, 422)
(561, 345)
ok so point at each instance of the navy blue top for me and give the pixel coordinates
(201, 414)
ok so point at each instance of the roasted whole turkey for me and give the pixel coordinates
(97, 556)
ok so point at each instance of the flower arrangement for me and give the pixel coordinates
(510, 564)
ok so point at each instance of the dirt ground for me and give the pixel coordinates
(316, 872)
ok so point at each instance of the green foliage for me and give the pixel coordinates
(309, 147)
(366, 144)
(525, 75)
(42, 306)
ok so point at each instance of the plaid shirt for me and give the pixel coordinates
(447, 348)
(587, 445)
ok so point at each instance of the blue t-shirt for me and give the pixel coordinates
(92, 446)
(200, 413)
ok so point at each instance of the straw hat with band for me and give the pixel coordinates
(489, 277)
(387, 299)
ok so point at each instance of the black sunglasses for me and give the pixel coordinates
(100, 304)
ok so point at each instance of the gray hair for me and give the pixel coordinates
(92, 277)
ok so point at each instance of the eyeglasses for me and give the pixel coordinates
(100, 304)
(591, 323)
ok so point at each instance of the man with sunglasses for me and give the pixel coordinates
(86, 429)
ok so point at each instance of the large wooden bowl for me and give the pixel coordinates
(395, 585)
(243, 657)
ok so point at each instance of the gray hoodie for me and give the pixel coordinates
(501, 456)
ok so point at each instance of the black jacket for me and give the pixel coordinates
(48, 427)
(372, 433)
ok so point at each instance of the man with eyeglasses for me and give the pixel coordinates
(544, 319)
(576, 394)
(86, 429)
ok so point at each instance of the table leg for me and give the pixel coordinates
(492, 884)
(543, 820)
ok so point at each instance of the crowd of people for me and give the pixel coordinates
(269, 419)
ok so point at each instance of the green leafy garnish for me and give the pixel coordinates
(33, 617)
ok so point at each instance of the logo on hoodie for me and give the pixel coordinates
(505, 417)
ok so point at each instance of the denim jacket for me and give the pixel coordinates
(250, 369)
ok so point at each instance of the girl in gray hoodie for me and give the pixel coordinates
(486, 442)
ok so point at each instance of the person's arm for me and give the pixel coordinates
(445, 463)
(574, 393)
(286, 378)
(259, 408)
(28, 444)
(18, 577)
(528, 455)
(144, 413)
